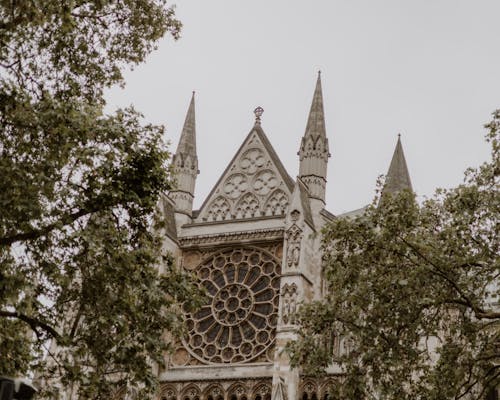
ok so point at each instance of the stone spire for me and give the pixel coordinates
(397, 177)
(313, 152)
(185, 163)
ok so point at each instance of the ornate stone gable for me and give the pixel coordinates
(254, 184)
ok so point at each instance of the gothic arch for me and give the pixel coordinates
(248, 206)
(276, 203)
(308, 390)
(191, 392)
(237, 391)
(168, 392)
(219, 210)
(262, 392)
(214, 392)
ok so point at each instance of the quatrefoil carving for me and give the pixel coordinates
(265, 182)
(235, 185)
(252, 160)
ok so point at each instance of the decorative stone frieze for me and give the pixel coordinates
(230, 237)
(242, 389)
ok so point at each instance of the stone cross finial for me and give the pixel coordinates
(258, 113)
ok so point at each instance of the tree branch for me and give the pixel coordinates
(36, 233)
(32, 322)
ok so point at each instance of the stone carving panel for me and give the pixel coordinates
(192, 392)
(219, 210)
(214, 392)
(169, 392)
(309, 389)
(243, 389)
(253, 187)
(239, 323)
(277, 203)
(235, 185)
(294, 239)
(252, 160)
(289, 308)
(247, 207)
(265, 182)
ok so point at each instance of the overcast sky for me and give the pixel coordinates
(429, 69)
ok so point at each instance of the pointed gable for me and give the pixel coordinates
(254, 184)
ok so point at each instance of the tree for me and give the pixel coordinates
(79, 233)
(412, 294)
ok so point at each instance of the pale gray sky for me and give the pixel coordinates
(429, 69)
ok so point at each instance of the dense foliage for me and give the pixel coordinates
(412, 305)
(79, 232)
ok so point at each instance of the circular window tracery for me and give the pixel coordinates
(239, 322)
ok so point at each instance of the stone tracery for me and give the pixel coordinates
(239, 323)
(264, 182)
(247, 389)
(277, 203)
(220, 210)
(247, 206)
(252, 160)
(235, 185)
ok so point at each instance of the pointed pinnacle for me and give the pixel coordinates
(316, 120)
(187, 141)
(398, 177)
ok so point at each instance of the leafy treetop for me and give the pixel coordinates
(80, 235)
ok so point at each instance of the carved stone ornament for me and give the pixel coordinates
(243, 389)
(253, 187)
(289, 304)
(252, 160)
(235, 185)
(229, 237)
(265, 182)
(277, 203)
(247, 206)
(239, 322)
(294, 239)
(220, 210)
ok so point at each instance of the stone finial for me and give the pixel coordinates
(258, 113)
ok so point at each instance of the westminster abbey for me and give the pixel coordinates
(254, 246)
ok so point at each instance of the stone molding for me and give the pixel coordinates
(230, 237)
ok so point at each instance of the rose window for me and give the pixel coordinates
(239, 322)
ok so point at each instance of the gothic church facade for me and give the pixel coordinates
(254, 246)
